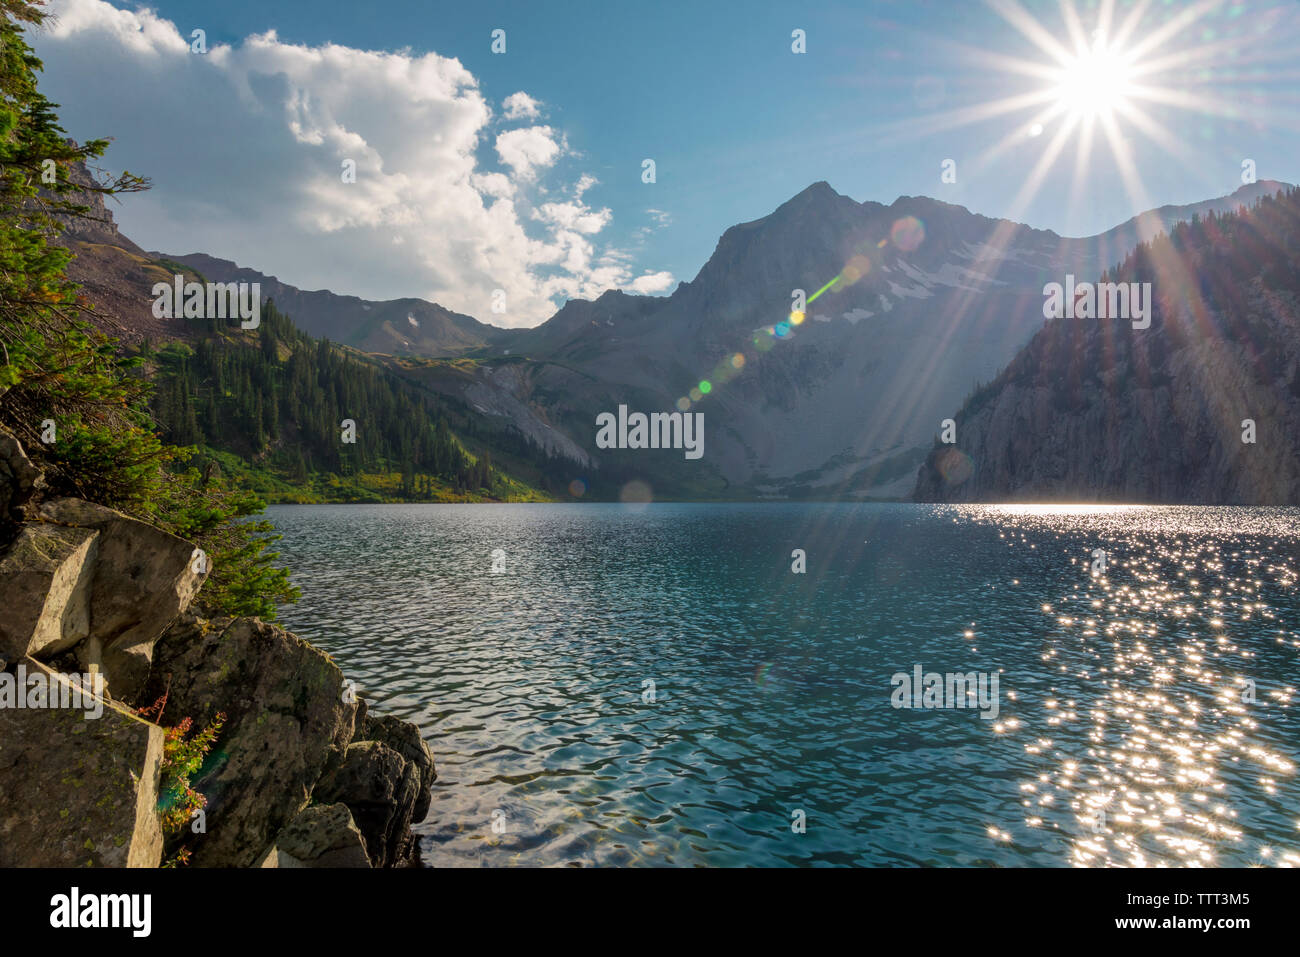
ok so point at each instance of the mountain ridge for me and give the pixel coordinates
(910, 306)
(474, 333)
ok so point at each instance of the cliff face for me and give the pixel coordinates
(1095, 410)
(102, 665)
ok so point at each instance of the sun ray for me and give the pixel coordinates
(1206, 53)
(1173, 26)
(1023, 20)
(1017, 136)
(1104, 17)
(1175, 146)
(952, 119)
(1074, 26)
(1007, 64)
(1082, 160)
(1128, 171)
(1097, 69)
(1182, 99)
(1130, 24)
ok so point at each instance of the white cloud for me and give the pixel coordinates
(529, 150)
(576, 216)
(651, 282)
(521, 106)
(660, 220)
(246, 144)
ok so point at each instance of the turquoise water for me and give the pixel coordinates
(1144, 716)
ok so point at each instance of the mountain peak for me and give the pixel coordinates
(819, 192)
(821, 187)
(1263, 187)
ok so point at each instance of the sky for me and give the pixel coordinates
(518, 177)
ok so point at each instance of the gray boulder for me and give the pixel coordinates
(77, 790)
(19, 479)
(322, 835)
(404, 738)
(286, 724)
(143, 579)
(45, 587)
(380, 788)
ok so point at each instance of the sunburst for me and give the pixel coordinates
(1096, 80)
(1098, 85)
(1103, 80)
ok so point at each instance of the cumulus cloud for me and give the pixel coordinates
(651, 282)
(576, 216)
(528, 150)
(521, 106)
(247, 144)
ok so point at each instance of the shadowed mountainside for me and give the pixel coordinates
(1095, 410)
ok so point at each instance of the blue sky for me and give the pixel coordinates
(735, 121)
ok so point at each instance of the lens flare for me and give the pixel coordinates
(954, 465)
(907, 233)
(636, 492)
(858, 267)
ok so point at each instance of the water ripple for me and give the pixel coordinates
(1144, 711)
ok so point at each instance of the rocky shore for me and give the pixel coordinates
(95, 608)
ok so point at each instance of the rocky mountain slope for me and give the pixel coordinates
(395, 326)
(115, 274)
(1202, 407)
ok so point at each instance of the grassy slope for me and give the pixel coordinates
(276, 487)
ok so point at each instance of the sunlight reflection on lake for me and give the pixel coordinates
(1145, 717)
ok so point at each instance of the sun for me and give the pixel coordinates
(1095, 81)
(1099, 82)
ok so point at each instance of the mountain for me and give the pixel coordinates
(910, 306)
(394, 326)
(1146, 226)
(930, 300)
(267, 404)
(115, 274)
(1095, 410)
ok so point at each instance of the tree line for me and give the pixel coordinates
(301, 406)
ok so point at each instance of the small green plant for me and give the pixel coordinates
(183, 755)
